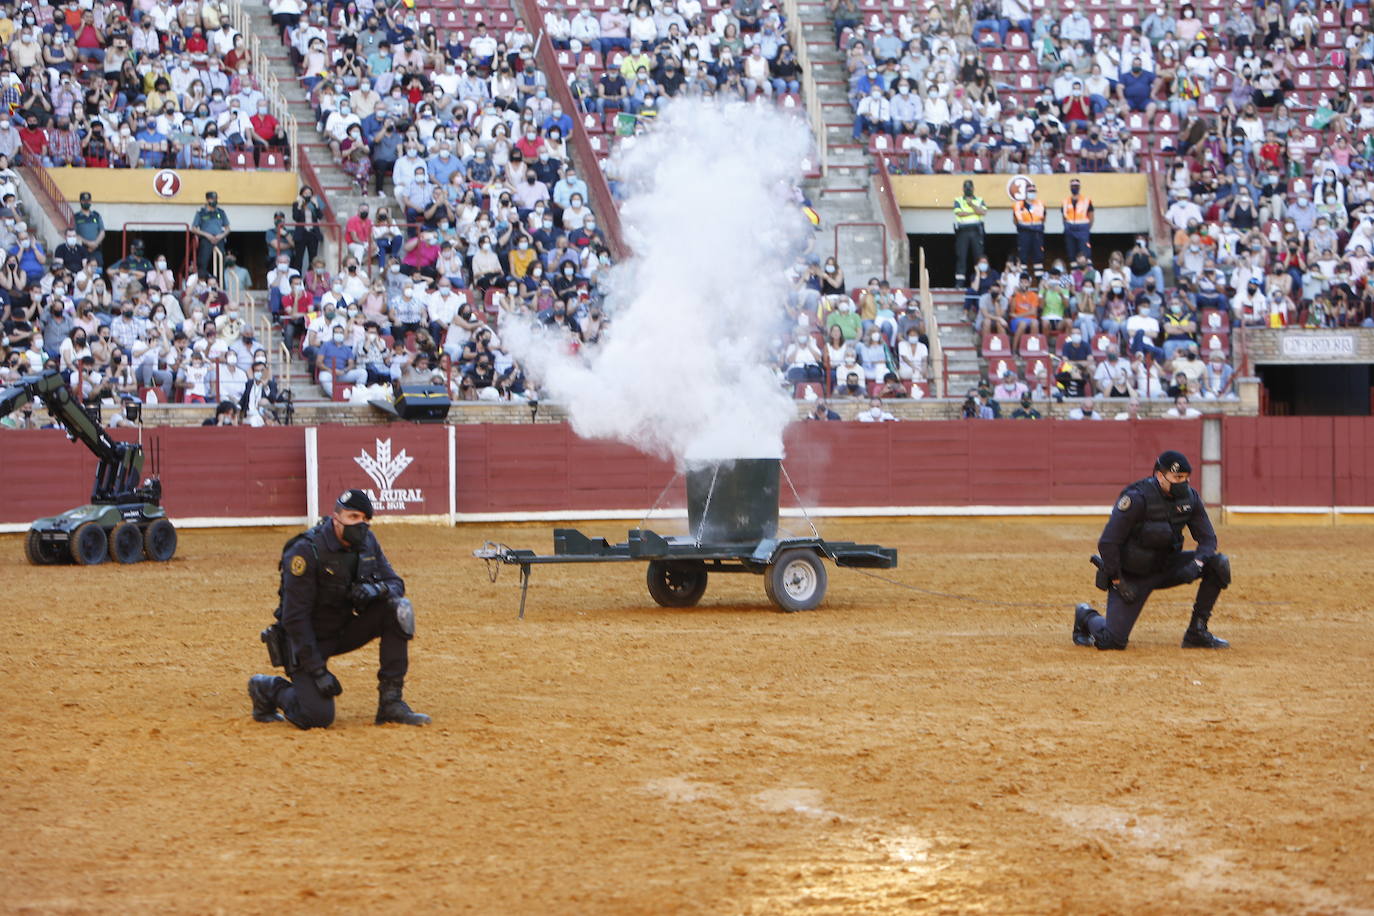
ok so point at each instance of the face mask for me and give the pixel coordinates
(231, 359)
(1179, 490)
(338, 338)
(355, 535)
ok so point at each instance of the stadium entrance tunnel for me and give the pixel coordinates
(1344, 390)
(940, 255)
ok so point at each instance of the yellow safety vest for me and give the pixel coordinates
(964, 214)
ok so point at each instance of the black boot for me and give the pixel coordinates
(391, 708)
(263, 690)
(1082, 636)
(1198, 637)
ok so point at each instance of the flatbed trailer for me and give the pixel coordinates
(794, 576)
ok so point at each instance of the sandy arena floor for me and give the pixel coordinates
(889, 752)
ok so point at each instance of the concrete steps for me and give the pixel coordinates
(843, 195)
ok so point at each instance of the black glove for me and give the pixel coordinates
(366, 593)
(1193, 571)
(326, 683)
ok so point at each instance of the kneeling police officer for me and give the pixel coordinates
(338, 593)
(1141, 549)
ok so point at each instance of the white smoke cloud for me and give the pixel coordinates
(712, 230)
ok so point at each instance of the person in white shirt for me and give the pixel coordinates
(1085, 411)
(912, 356)
(558, 28)
(643, 29)
(1132, 411)
(1113, 376)
(875, 413)
(586, 28)
(1183, 211)
(1181, 410)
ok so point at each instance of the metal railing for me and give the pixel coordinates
(189, 248)
(258, 66)
(881, 186)
(810, 96)
(934, 344)
(48, 193)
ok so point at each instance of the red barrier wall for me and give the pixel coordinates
(950, 463)
(1299, 461)
(256, 473)
(234, 472)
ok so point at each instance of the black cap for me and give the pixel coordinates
(1172, 462)
(85, 195)
(355, 499)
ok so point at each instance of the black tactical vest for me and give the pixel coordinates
(1159, 535)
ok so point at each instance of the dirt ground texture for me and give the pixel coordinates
(892, 751)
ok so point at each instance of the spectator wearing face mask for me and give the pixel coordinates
(845, 316)
(875, 413)
(1086, 410)
(336, 361)
(229, 377)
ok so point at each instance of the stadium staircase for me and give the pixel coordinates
(335, 187)
(841, 196)
(961, 365)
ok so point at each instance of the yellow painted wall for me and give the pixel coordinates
(136, 186)
(922, 192)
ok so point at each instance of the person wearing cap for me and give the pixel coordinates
(1078, 222)
(969, 212)
(90, 228)
(338, 593)
(211, 226)
(1141, 550)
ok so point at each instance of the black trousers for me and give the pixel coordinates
(968, 248)
(1122, 615)
(1030, 245)
(307, 246)
(302, 702)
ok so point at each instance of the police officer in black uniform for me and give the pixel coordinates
(1141, 549)
(338, 593)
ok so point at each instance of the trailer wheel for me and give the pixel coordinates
(38, 553)
(679, 583)
(88, 544)
(796, 580)
(160, 541)
(126, 543)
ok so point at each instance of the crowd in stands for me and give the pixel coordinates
(135, 330)
(149, 84)
(481, 210)
(1251, 114)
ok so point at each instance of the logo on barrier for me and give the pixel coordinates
(384, 469)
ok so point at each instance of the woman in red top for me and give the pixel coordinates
(197, 44)
(295, 306)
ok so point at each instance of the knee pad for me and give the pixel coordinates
(1218, 567)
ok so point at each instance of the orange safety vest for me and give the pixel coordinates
(1077, 214)
(1031, 215)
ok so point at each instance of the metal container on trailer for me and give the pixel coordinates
(737, 501)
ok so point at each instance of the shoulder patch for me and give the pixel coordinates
(1124, 502)
(298, 565)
